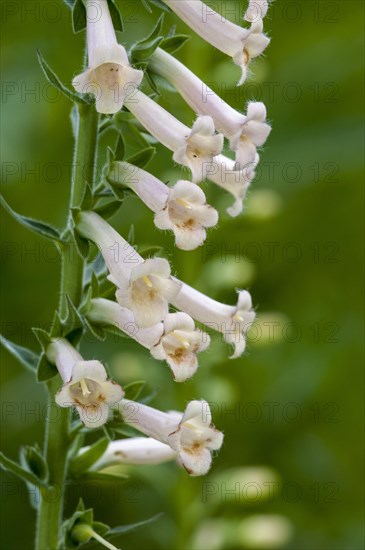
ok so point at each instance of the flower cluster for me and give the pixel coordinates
(145, 289)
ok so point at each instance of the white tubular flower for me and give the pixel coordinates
(224, 173)
(85, 384)
(180, 343)
(187, 214)
(175, 341)
(244, 132)
(257, 9)
(144, 286)
(135, 450)
(239, 43)
(106, 312)
(109, 76)
(191, 434)
(232, 321)
(182, 208)
(191, 147)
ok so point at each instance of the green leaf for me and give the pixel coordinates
(45, 370)
(31, 458)
(145, 4)
(108, 209)
(142, 158)
(83, 462)
(25, 356)
(56, 329)
(160, 4)
(173, 43)
(123, 529)
(116, 16)
(134, 389)
(56, 82)
(13, 467)
(34, 225)
(104, 476)
(43, 337)
(78, 16)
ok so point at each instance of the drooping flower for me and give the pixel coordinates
(239, 43)
(192, 147)
(179, 345)
(245, 132)
(224, 172)
(191, 433)
(109, 76)
(182, 208)
(232, 321)
(176, 340)
(134, 450)
(85, 384)
(144, 286)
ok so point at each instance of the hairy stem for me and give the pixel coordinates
(57, 438)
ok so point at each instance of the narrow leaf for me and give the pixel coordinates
(25, 356)
(56, 82)
(34, 225)
(17, 470)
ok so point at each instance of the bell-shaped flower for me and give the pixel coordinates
(192, 147)
(144, 286)
(191, 434)
(239, 43)
(179, 345)
(134, 450)
(85, 384)
(182, 208)
(176, 340)
(245, 132)
(232, 321)
(225, 173)
(109, 76)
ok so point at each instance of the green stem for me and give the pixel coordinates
(57, 437)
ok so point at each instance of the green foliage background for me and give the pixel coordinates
(310, 189)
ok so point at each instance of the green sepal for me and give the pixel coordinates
(34, 225)
(56, 328)
(151, 251)
(160, 4)
(116, 16)
(73, 316)
(43, 337)
(173, 43)
(79, 19)
(15, 468)
(45, 369)
(119, 152)
(82, 463)
(78, 16)
(56, 82)
(87, 201)
(25, 356)
(142, 51)
(96, 331)
(142, 158)
(31, 459)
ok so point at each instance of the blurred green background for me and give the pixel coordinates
(297, 393)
